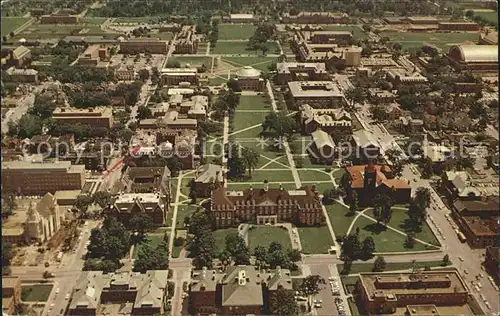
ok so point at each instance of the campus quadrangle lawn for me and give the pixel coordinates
(236, 31)
(220, 237)
(10, 24)
(264, 236)
(258, 62)
(247, 119)
(151, 240)
(36, 293)
(340, 221)
(254, 102)
(441, 40)
(239, 47)
(315, 239)
(488, 16)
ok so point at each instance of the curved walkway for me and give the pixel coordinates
(362, 213)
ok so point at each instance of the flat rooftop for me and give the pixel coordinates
(314, 89)
(70, 111)
(45, 166)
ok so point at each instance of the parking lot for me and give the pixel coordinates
(156, 60)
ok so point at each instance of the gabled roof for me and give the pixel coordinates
(242, 292)
(365, 139)
(20, 52)
(322, 139)
(357, 177)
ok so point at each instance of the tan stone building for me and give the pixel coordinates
(44, 219)
(22, 75)
(95, 117)
(143, 45)
(337, 122)
(11, 294)
(316, 93)
(29, 178)
(174, 76)
(249, 79)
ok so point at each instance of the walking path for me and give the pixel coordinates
(289, 155)
(174, 215)
(362, 213)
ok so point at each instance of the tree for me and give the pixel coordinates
(278, 125)
(419, 204)
(382, 208)
(446, 260)
(397, 46)
(311, 285)
(235, 245)
(173, 63)
(102, 198)
(295, 255)
(174, 164)
(143, 112)
(379, 265)
(282, 302)
(351, 247)
(368, 247)
(233, 85)
(260, 254)
(355, 95)
(251, 159)
(144, 74)
(8, 204)
(106, 265)
(346, 267)
(141, 223)
(353, 207)
(83, 201)
(235, 162)
(203, 249)
(193, 195)
(410, 241)
(152, 259)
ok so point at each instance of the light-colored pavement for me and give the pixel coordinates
(181, 273)
(174, 215)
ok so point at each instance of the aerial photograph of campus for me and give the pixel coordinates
(250, 157)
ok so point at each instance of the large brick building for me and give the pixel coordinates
(336, 122)
(59, 19)
(31, 178)
(301, 72)
(369, 180)
(266, 205)
(126, 293)
(95, 117)
(127, 204)
(316, 93)
(241, 290)
(316, 18)
(143, 45)
(459, 26)
(174, 76)
(385, 293)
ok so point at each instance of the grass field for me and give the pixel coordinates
(316, 175)
(254, 102)
(357, 32)
(220, 237)
(138, 19)
(184, 211)
(236, 31)
(261, 63)
(390, 266)
(488, 16)
(36, 293)
(10, 24)
(166, 36)
(43, 31)
(340, 222)
(441, 40)
(315, 239)
(272, 176)
(93, 20)
(151, 240)
(264, 236)
(235, 48)
(246, 119)
(243, 186)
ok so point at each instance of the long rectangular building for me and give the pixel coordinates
(95, 117)
(31, 178)
(316, 93)
(143, 45)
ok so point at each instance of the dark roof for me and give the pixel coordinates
(493, 253)
(490, 204)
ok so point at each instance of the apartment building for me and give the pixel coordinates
(125, 293)
(293, 71)
(337, 122)
(38, 178)
(95, 117)
(316, 18)
(316, 93)
(240, 290)
(174, 76)
(59, 19)
(389, 293)
(143, 45)
(266, 205)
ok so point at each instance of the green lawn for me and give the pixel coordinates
(166, 36)
(151, 240)
(236, 31)
(357, 32)
(442, 40)
(316, 175)
(488, 16)
(340, 222)
(194, 61)
(36, 293)
(138, 19)
(184, 211)
(93, 20)
(185, 185)
(220, 237)
(41, 31)
(386, 240)
(10, 24)
(272, 176)
(264, 236)
(337, 174)
(254, 102)
(264, 148)
(239, 47)
(315, 239)
(399, 221)
(260, 62)
(216, 81)
(246, 119)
